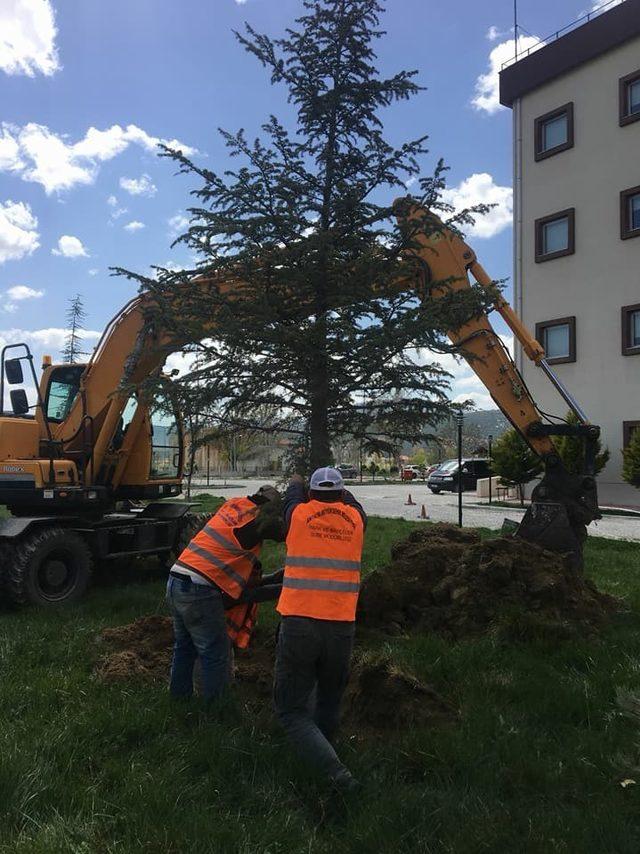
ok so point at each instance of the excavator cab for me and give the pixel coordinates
(76, 457)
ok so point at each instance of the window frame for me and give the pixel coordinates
(539, 123)
(560, 321)
(627, 427)
(626, 232)
(623, 85)
(570, 215)
(627, 348)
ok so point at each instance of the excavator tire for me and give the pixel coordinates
(49, 567)
(190, 524)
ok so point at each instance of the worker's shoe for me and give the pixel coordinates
(345, 783)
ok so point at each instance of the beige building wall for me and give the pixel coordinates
(604, 273)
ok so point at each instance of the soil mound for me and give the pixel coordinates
(380, 697)
(446, 579)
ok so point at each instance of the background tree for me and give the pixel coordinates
(631, 460)
(515, 462)
(305, 228)
(72, 350)
(571, 450)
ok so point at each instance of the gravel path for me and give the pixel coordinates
(390, 500)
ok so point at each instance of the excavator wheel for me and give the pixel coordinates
(50, 566)
(190, 524)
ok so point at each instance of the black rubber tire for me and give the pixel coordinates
(188, 527)
(48, 568)
(435, 491)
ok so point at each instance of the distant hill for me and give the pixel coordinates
(490, 422)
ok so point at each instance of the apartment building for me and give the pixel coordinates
(576, 143)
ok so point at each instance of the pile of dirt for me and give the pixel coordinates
(141, 649)
(380, 696)
(446, 579)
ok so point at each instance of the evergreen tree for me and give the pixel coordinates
(631, 457)
(305, 227)
(514, 461)
(571, 450)
(72, 350)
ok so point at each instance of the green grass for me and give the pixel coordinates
(547, 732)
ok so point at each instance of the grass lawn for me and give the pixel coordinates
(547, 734)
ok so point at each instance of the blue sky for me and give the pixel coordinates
(88, 88)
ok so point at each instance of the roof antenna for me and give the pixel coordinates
(515, 28)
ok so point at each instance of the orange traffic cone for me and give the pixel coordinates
(423, 513)
(410, 502)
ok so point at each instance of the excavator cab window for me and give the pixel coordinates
(166, 439)
(64, 385)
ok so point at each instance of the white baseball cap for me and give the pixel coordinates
(326, 480)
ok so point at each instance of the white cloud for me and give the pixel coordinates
(16, 294)
(39, 154)
(480, 188)
(93, 271)
(27, 43)
(487, 94)
(18, 231)
(134, 225)
(112, 201)
(70, 247)
(142, 186)
(22, 292)
(178, 224)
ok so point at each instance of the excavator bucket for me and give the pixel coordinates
(547, 524)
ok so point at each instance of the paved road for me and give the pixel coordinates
(390, 500)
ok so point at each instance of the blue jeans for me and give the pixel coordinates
(200, 632)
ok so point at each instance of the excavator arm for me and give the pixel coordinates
(562, 504)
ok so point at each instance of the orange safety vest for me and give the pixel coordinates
(322, 567)
(215, 552)
(241, 621)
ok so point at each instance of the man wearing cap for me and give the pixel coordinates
(324, 536)
(217, 571)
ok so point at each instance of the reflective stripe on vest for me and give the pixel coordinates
(322, 568)
(216, 554)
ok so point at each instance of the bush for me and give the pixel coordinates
(514, 461)
(631, 464)
(571, 451)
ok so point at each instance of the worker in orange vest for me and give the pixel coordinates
(208, 587)
(318, 607)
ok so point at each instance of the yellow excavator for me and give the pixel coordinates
(74, 473)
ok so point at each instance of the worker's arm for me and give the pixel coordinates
(296, 494)
(352, 501)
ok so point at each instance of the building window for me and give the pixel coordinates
(554, 132)
(628, 429)
(558, 337)
(630, 213)
(555, 235)
(631, 330)
(630, 98)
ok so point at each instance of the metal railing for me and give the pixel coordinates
(584, 19)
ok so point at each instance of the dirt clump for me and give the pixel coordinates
(383, 696)
(446, 579)
(141, 649)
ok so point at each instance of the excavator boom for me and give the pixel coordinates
(562, 504)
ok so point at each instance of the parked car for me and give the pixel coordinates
(446, 477)
(412, 472)
(432, 468)
(348, 472)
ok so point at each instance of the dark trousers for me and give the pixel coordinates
(312, 671)
(200, 633)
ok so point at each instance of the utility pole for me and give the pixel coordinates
(460, 421)
(490, 472)
(515, 28)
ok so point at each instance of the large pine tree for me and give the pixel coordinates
(317, 325)
(76, 315)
